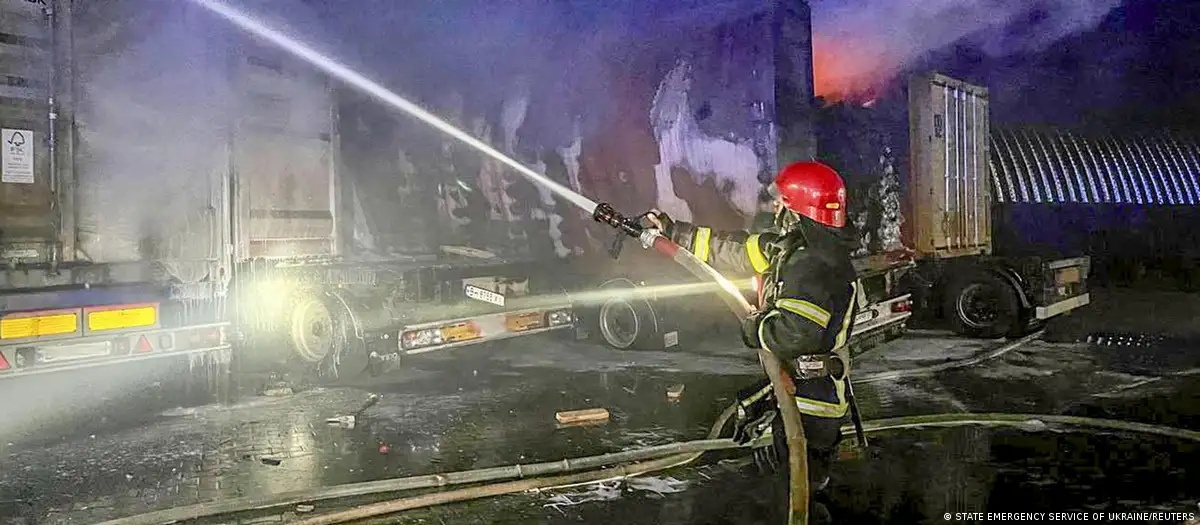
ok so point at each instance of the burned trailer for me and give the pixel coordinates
(111, 220)
(731, 102)
(196, 200)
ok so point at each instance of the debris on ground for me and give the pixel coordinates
(277, 389)
(603, 491)
(271, 461)
(674, 392)
(342, 421)
(657, 485)
(371, 401)
(304, 508)
(586, 416)
(383, 448)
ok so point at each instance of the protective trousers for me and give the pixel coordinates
(823, 436)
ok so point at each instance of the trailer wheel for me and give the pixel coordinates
(626, 322)
(982, 305)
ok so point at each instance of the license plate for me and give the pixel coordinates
(522, 322)
(487, 296)
(73, 352)
(460, 332)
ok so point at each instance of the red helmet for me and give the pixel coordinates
(813, 190)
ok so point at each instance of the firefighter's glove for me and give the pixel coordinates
(772, 457)
(753, 421)
(662, 221)
(750, 325)
(755, 410)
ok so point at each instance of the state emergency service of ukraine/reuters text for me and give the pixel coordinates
(1070, 516)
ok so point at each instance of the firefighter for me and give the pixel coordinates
(807, 301)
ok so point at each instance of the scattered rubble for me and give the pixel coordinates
(586, 416)
(277, 389)
(657, 485)
(342, 421)
(674, 392)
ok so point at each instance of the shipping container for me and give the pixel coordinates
(950, 188)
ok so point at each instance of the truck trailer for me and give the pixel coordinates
(172, 187)
(950, 211)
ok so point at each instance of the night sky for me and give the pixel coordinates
(1135, 70)
(1061, 62)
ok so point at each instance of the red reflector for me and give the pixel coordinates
(903, 306)
(3, 362)
(143, 345)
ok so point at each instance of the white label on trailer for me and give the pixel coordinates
(670, 339)
(16, 161)
(864, 317)
(27, 253)
(487, 296)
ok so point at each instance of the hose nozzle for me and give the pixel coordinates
(605, 214)
(626, 227)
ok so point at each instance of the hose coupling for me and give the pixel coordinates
(648, 236)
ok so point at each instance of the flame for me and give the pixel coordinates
(850, 69)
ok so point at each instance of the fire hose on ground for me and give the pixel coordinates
(590, 469)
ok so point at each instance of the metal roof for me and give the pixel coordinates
(1031, 166)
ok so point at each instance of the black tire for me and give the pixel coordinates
(348, 359)
(627, 322)
(982, 305)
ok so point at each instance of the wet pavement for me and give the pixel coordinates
(495, 405)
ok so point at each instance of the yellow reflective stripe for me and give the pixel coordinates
(754, 252)
(848, 319)
(758, 395)
(806, 310)
(700, 245)
(762, 341)
(813, 407)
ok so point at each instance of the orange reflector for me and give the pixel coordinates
(832, 205)
(127, 317)
(143, 345)
(460, 332)
(20, 326)
(523, 322)
(3, 362)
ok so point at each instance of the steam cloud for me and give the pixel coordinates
(861, 44)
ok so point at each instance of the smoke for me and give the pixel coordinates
(860, 45)
(169, 103)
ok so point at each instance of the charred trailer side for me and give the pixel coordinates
(734, 102)
(950, 213)
(357, 245)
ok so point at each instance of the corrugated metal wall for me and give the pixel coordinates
(1038, 166)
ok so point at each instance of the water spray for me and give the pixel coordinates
(602, 213)
(349, 76)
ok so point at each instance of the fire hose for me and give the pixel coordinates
(588, 469)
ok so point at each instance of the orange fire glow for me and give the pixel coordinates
(850, 69)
